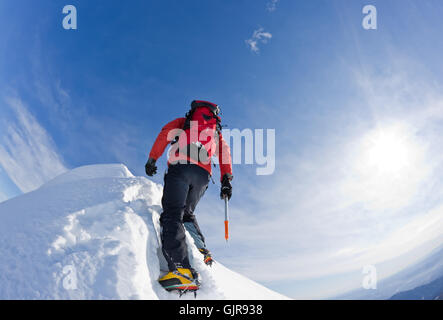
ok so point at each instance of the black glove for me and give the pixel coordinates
(150, 167)
(226, 188)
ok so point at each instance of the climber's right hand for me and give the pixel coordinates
(150, 167)
(226, 187)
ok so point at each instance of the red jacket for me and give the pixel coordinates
(162, 141)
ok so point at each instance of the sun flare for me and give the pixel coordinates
(387, 166)
(390, 150)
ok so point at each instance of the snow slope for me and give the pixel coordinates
(92, 233)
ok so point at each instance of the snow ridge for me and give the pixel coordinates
(93, 233)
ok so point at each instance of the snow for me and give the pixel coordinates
(93, 233)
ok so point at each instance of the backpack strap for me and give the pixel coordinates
(188, 116)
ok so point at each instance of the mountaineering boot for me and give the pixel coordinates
(182, 279)
(207, 258)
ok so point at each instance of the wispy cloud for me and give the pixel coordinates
(3, 197)
(259, 36)
(271, 6)
(27, 152)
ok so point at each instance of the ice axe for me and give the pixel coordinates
(226, 219)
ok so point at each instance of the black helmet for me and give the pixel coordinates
(200, 103)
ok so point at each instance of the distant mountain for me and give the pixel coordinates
(430, 291)
(420, 275)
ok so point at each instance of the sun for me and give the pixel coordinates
(389, 150)
(386, 166)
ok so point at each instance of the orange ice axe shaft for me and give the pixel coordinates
(226, 219)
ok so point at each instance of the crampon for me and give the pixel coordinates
(182, 280)
(207, 257)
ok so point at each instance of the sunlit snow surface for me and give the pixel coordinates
(92, 233)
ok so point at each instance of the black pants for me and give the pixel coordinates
(184, 185)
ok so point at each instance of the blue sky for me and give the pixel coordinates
(357, 115)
